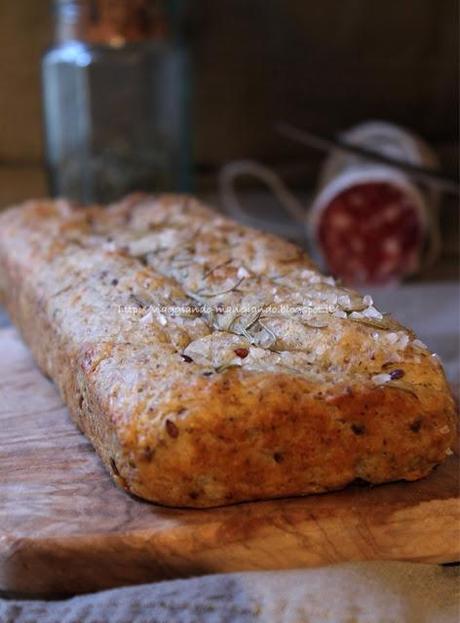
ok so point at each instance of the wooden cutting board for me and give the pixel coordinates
(65, 528)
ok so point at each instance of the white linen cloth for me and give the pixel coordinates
(370, 592)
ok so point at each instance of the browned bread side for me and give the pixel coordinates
(210, 363)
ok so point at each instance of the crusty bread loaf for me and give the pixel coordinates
(209, 363)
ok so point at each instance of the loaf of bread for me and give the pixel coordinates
(210, 363)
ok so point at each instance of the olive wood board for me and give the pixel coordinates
(66, 528)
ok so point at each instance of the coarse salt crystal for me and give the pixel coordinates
(372, 312)
(331, 298)
(403, 340)
(368, 300)
(148, 317)
(162, 320)
(381, 379)
(110, 247)
(344, 301)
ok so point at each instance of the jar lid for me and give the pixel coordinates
(110, 22)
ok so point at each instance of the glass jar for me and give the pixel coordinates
(116, 100)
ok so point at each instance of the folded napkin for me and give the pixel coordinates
(368, 592)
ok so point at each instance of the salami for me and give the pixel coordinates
(371, 233)
(370, 222)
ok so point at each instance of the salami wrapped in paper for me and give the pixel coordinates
(371, 223)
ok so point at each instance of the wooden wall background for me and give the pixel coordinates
(322, 64)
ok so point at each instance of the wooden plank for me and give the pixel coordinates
(65, 528)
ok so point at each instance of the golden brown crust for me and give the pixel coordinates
(210, 405)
